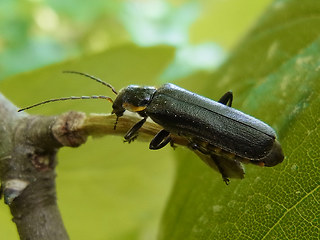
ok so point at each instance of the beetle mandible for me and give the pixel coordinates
(221, 135)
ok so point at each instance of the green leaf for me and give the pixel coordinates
(274, 74)
(106, 189)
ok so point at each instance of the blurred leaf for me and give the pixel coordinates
(224, 22)
(106, 189)
(274, 74)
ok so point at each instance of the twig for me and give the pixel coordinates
(28, 147)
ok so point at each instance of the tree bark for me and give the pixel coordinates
(27, 170)
(28, 148)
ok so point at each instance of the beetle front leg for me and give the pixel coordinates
(173, 145)
(226, 99)
(133, 132)
(160, 140)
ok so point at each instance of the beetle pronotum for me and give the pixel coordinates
(221, 135)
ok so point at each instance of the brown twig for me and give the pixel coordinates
(28, 147)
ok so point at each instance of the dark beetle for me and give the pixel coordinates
(222, 136)
(213, 128)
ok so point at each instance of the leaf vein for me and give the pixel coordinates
(289, 209)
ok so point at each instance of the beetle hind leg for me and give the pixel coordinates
(226, 99)
(216, 160)
(133, 132)
(160, 140)
(220, 168)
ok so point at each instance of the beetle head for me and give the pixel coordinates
(132, 98)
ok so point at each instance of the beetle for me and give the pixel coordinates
(219, 134)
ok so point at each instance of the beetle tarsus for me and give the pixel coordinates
(131, 139)
(173, 145)
(226, 180)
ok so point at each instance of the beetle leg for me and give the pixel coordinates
(172, 145)
(215, 159)
(195, 146)
(226, 99)
(221, 170)
(133, 132)
(160, 140)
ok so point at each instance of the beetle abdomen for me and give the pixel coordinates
(182, 112)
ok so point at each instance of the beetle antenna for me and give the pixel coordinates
(64, 99)
(94, 78)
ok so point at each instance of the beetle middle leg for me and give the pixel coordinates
(160, 140)
(199, 148)
(226, 99)
(133, 132)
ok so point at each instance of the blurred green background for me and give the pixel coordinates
(108, 189)
(35, 33)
